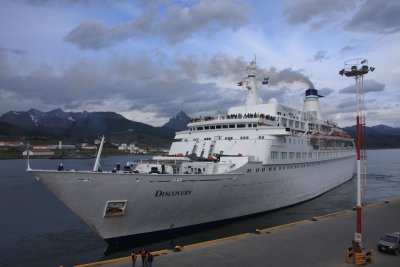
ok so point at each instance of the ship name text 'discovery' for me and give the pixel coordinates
(175, 193)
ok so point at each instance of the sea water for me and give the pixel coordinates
(36, 229)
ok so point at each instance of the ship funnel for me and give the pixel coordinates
(311, 103)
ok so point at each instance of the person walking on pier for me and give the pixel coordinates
(150, 259)
(143, 254)
(134, 257)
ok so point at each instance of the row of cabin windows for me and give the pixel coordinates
(292, 124)
(275, 155)
(223, 126)
(226, 138)
(294, 166)
(295, 140)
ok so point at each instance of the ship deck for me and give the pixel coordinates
(320, 241)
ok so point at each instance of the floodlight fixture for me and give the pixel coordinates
(356, 68)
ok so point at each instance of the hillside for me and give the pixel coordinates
(83, 126)
(379, 136)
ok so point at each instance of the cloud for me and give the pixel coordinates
(347, 48)
(369, 86)
(319, 56)
(372, 16)
(346, 106)
(380, 17)
(325, 91)
(125, 83)
(176, 24)
(13, 51)
(317, 13)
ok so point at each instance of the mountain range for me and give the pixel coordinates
(90, 125)
(83, 126)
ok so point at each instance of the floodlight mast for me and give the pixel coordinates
(357, 68)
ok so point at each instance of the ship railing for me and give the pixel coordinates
(152, 161)
(235, 116)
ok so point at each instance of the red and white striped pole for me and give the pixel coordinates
(357, 68)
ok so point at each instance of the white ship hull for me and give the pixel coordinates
(258, 157)
(169, 201)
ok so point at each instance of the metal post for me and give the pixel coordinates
(357, 68)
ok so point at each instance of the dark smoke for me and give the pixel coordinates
(287, 76)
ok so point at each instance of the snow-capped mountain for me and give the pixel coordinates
(54, 122)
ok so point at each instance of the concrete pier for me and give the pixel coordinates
(320, 241)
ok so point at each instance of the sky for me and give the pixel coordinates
(148, 60)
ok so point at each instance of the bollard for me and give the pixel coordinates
(348, 253)
(359, 258)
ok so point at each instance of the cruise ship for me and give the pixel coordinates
(258, 157)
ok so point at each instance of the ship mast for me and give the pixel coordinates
(250, 82)
(97, 162)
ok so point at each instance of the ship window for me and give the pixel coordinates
(254, 124)
(291, 155)
(206, 127)
(284, 122)
(298, 155)
(296, 124)
(310, 155)
(291, 123)
(199, 128)
(218, 126)
(224, 126)
(274, 154)
(283, 155)
(115, 208)
(231, 125)
(212, 127)
(249, 125)
(263, 169)
(241, 125)
(304, 155)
